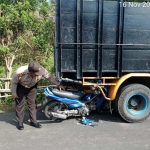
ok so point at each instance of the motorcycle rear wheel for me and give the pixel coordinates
(53, 106)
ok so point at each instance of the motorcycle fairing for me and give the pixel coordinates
(71, 103)
(68, 94)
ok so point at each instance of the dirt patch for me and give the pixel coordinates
(6, 108)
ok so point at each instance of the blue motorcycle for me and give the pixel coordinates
(63, 104)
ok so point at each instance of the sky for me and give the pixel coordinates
(48, 0)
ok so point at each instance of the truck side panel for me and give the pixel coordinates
(90, 37)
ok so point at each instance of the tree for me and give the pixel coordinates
(24, 26)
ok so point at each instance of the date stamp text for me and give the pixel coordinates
(134, 4)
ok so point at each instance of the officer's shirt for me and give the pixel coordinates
(22, 76)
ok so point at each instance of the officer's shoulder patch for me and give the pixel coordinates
(22, 69)
(20, 74)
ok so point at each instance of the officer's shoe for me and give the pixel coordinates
(20, 126)
(35, 124)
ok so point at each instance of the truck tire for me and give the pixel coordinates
(133, 103)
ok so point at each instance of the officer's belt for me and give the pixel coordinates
(25, 86)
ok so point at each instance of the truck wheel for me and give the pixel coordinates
(133, 103)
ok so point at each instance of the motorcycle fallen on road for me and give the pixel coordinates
(64, 104)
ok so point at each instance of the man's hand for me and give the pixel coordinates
(61, 87)
(14, 97)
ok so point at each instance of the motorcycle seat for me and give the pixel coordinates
(68, 94)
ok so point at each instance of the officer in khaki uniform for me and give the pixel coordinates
(24, 85)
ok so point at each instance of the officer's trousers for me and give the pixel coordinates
(30, 94)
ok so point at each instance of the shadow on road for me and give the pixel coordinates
(8, 117)
(11, 118)
(107, 116)
(103, 117)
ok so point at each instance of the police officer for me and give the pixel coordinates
(24, 85)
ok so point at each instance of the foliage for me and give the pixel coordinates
(26, 33)
(9, 102)
(25, 26)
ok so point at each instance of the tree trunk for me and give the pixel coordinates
(9, 62)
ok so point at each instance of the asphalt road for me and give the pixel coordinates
(109, 132)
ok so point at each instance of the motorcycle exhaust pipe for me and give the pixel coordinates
(56, 115)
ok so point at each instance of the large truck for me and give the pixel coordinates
(106, 44)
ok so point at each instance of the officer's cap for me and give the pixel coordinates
(35, 68)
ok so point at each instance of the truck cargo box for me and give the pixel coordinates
(96, 38)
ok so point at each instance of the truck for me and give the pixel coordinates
(106, 44)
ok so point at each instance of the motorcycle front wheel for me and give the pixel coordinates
(53, 106)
